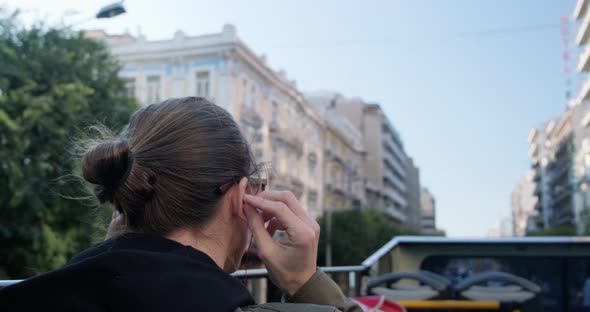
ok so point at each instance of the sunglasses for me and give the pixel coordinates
(255, 186)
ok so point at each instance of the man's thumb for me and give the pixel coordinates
(256, 225)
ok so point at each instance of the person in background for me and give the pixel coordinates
(180, 177)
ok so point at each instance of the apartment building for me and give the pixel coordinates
(283, 129)
(344, 152)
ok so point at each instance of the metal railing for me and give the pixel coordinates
(380, 261)
(352, 279)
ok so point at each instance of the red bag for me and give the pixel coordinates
(378, 304)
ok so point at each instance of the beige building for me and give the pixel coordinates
(344, 153)
(385, 160)
(428, 212)
(283, 129)
(581, 13)
(523, 202)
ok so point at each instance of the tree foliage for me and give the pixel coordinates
(356, 234)
(556, 231)
(53, 83)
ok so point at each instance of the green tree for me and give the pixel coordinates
(556, 231)
(53, 83)
(356, 234)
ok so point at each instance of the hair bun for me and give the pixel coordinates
(107, 166)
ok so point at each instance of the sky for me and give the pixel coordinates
(463, 81)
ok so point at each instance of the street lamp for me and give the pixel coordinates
(108, 11)
(111, 10)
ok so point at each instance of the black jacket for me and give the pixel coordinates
(133, 272)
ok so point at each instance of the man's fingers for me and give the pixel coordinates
(256, 224)
(273, 226)
(279, 210)
(287, 198)
(291, 201)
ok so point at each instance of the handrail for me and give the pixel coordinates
(394, 242)
(332, 269)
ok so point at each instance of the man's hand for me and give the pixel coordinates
(291, 262)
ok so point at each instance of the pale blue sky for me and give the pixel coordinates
(463, 103)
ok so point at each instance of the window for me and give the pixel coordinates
(258, 137)
(259, 153)
(178, 88)
(244, 91)
(312, 161)
(130, 87)
(275, 160)
(253, 97)
(153, 89)
(283, 165)
(275, 112)
(203, 84)
(312, 198)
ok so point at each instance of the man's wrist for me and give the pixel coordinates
(296, 286)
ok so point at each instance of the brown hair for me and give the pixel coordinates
(165, 170)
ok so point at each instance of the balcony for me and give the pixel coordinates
(387, 174)
(250, 117)
(559, 197)
(563, 216)
(289, 139)
(273, 126)
(533, 135)
(335, 189)
(394, 163)
(584, 31)
(296, 186)
(580, 9)
(388, 141)
(537, 176)
(586, 120)
(287, 182)
(558, 169)
(533, 150)
(333, 156)
(538, 190)
(394, 196)
(538, 207)
(584, 60)
(396, 214)
(584, 91)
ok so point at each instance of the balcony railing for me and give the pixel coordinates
(581, 8)
(394, 196)
(558, 197)
(394, 163)
(585, 91)
(396, 214)
(584, 61)
(250, 117)
(282, 137)
(584, 31)
(285, 181)
(396, 150)
(394, 180)
(334, 156)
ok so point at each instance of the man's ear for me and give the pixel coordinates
(238, 198)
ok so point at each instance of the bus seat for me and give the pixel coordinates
(417, 293)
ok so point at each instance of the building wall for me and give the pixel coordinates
(287, 134)
(413, 195)
(343, 155)
(385, 160)
(559, 173)
(428, 212)
(523, 203)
